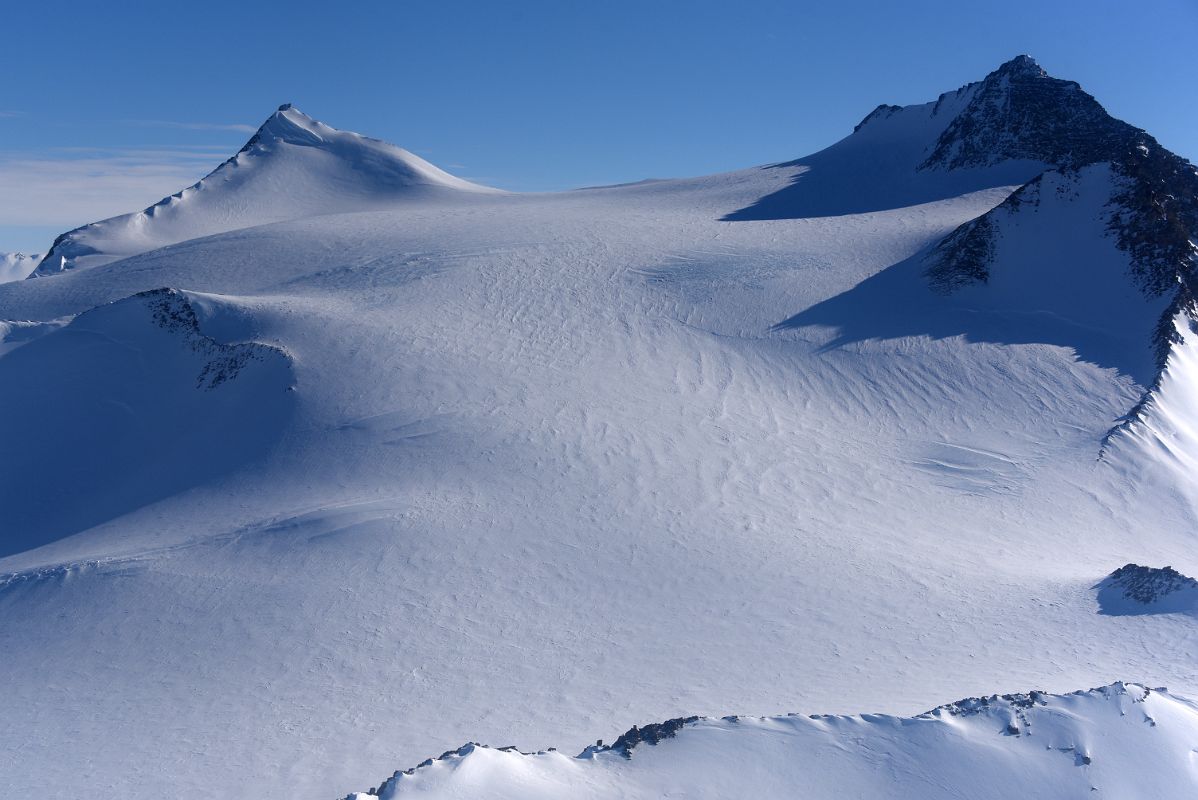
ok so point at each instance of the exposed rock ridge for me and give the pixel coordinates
(1014, 712)
(172, 310)
(1019, 112)
(964, 256)
(1154, 217)
(1147, 585)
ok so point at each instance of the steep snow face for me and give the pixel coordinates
(293, 167)
(1109, 247)
(1163, 427)
(1046, 258)
(1122, 740)
(17, 266)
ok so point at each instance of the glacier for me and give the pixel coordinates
(530, 468)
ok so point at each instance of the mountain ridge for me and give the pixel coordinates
(294, 166)
(524, 468)
(1085, 741)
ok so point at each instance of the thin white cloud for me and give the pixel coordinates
(67, 189)
(11, 114)
(155, 153)
(195, 126)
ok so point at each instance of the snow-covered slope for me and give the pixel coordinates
(293, 167)
(1119, 741)
(1101, 248)
(138, 404)
(17, 266)
(550, 465)
(1163, 427)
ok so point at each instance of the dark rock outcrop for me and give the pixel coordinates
(1134, 589)
(1020, 112)
(649, 734)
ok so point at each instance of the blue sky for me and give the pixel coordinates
(105, 108)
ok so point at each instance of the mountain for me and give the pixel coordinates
(1118, 741)
(1005, 129)
(293, 504)
(1020, 112)
(1112, 187)
(17, 266)
(293, 167)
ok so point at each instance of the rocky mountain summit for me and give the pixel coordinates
(1020, 112)
(1148, 206)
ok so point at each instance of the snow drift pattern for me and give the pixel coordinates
(543, 443)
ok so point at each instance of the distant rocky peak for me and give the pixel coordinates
(1020, 112)
(1022, 66)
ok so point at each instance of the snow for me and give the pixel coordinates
(524, 468)
(1116, 741)
(1070, 290)
(293, 167)
(149, 406)
(1166, 429)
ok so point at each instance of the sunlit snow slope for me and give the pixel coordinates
(523, 469)
(293, 167)
(1122, 741)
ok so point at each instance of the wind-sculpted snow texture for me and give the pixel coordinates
(1119, 741)
(452, 465)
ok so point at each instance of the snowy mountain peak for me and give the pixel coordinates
(1122, 209)
(1022, 65)
(379, 164)
(1020, 112)
(1000, 131)
(289, 124)
(293, 167)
